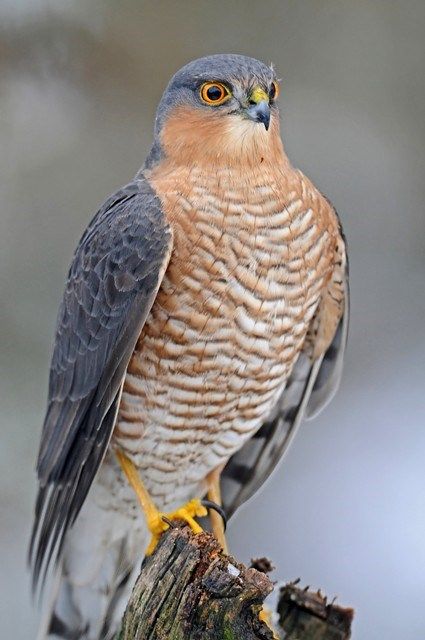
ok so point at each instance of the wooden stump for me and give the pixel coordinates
(189, 590)
(304, 615)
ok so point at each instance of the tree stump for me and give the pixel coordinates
(304, 615)
(189, 590)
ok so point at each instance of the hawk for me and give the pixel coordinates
(205, 314)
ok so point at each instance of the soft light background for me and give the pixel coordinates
(79, 84)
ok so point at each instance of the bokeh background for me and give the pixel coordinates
(79, 81)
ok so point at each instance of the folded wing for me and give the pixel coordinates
(112, 283)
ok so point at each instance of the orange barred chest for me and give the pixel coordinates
(244, 280)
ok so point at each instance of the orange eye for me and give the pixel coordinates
(274, 91)
(214, 93)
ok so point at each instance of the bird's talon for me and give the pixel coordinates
(218, 508)
(169, 522)
(160, 521)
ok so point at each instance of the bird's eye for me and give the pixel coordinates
(274, 91)
(214, 93)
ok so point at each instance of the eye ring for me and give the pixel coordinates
(274, 91)
(214, 93)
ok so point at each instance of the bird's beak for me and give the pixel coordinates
(259, 111)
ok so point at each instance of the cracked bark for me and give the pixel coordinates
(189, 590)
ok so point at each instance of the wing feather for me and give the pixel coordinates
(112, 283)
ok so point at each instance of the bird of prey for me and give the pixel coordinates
(205, 314)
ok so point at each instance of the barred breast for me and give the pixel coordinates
(251, 255)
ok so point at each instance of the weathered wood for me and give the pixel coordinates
(305, 615)
(189, 590)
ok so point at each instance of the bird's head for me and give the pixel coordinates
(219, 108)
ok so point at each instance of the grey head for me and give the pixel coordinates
(230, 84)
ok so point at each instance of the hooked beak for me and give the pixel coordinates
(259, 111)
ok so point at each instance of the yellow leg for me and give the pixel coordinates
(154, 518)
(214, 494)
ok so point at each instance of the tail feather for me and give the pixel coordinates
(101, 557)
(90, 611)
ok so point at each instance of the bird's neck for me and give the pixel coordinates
(189, 139)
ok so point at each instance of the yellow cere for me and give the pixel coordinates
(258, 95)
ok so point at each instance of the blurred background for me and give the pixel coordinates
(79, 82)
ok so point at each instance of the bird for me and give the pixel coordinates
(205, 315)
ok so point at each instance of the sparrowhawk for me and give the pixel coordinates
(205, 314)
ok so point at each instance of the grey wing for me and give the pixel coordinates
(311, 385)
(112, 283)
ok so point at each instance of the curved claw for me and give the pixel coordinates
(209, 504)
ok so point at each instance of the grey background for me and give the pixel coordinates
(79, 85)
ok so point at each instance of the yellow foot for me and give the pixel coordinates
(157, 524)
(265, 616)
(154, 518)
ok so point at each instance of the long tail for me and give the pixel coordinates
(102, 556)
